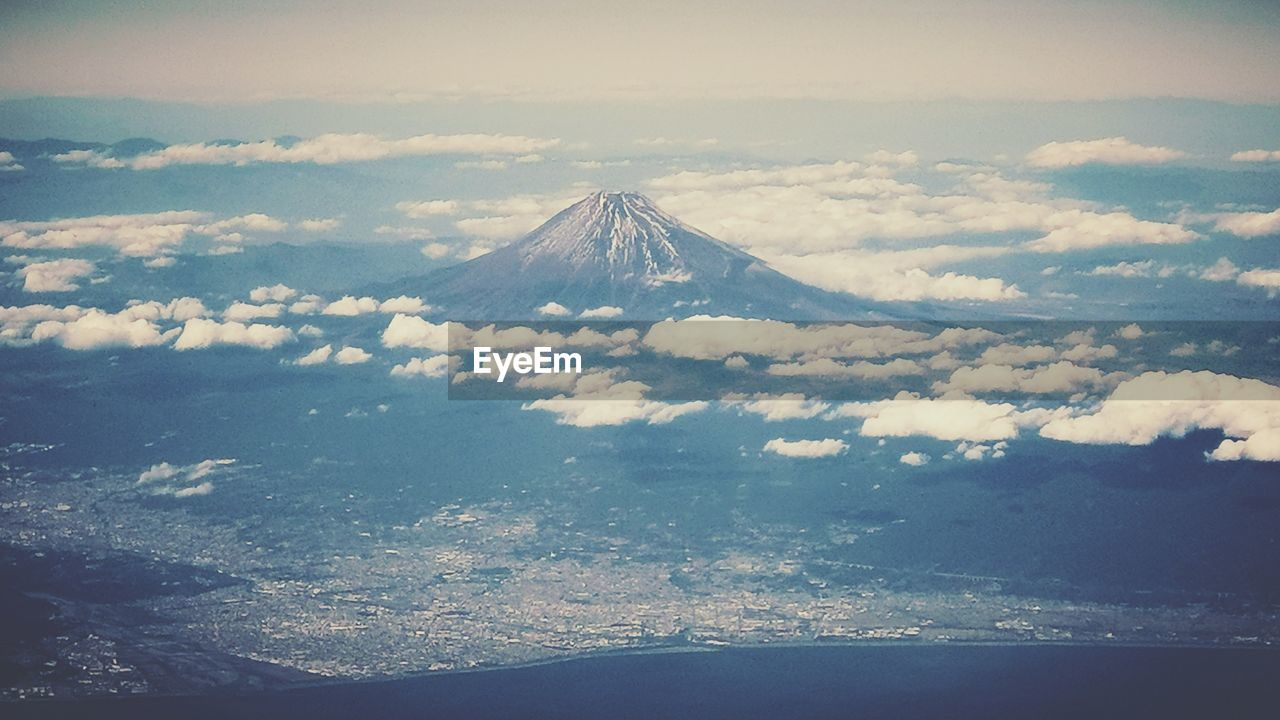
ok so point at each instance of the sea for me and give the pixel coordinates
(772, 683)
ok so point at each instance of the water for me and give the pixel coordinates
(885, 681)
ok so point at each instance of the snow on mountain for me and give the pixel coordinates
(619, 250)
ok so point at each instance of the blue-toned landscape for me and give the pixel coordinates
(904, 391)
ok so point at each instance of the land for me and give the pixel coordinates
(122, 593)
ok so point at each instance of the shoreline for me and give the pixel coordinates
(679, 649)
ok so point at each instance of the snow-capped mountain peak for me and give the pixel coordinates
(622, 233)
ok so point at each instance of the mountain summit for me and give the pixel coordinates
(619, 249)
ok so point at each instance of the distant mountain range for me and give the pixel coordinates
(618, 250)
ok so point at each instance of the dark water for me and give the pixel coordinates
(790, 682)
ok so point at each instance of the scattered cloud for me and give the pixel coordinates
(200, 333)
(328, 149)
(1256, 156)
(432, 367)
(914, 459)
(828, 447)
(54, 275)
(1106, 151)
(349, 355)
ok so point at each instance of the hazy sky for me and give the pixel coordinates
(379, 49)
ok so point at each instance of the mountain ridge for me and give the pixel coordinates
(619, 249)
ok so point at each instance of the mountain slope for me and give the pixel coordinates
(618, 249)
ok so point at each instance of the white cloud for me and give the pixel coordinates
(826, 367)
(1018, 355)
(319, 356)
(320, 225)
(553, 309)
(1081, 231)
(202, 333)
(944, 419)
(1248, 224)
(1059, 377)
(1107, 151)
(350, 306)
(914, 459)
(1220, 271)
(429, 208)
(880, 276)
(432, 367)
(606, 311)
(1142, 268)
(273, 293)
(184, 474)
(242, 311)
(325, 149)
(1256, 156)
(403, 304)
(54, 275)
(349, 355)
(414, 332)
(142, 235)
(827, 447)
(1267, 279)
(437, 251)
(95, 329)
(788, 406)
(1132, 331)
(8, 163)
(1160, 404)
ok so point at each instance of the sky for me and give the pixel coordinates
(380, 50)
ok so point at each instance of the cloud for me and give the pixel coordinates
(1132, 331)
(593, 412)
(1268, 279)
(606, 311)
(54, 275)
(414, 332)
(1059, 377)
(319, 356)
(1248, 224)
(242, 311)
(1107, 151)
(1160, 404)
(1137, 269)
(8, 163)
(826, 367)
(97, 329)
(349, 355)
(320, 225)
(944, 419)
(788, 406)
(403, 304)
(1256, 156)
(429, 208)
(1081, 231)
(142, 235)
(350, 306)
(914, 459)
(828, 447)
(717, 338)
(201, 333)
(437, 251)
(432, 367)
(328, 149)
(1220, 271)
(553, 309)
(274, 293)
(185, 474)
(880, 276)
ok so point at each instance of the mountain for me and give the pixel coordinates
(618, 249)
